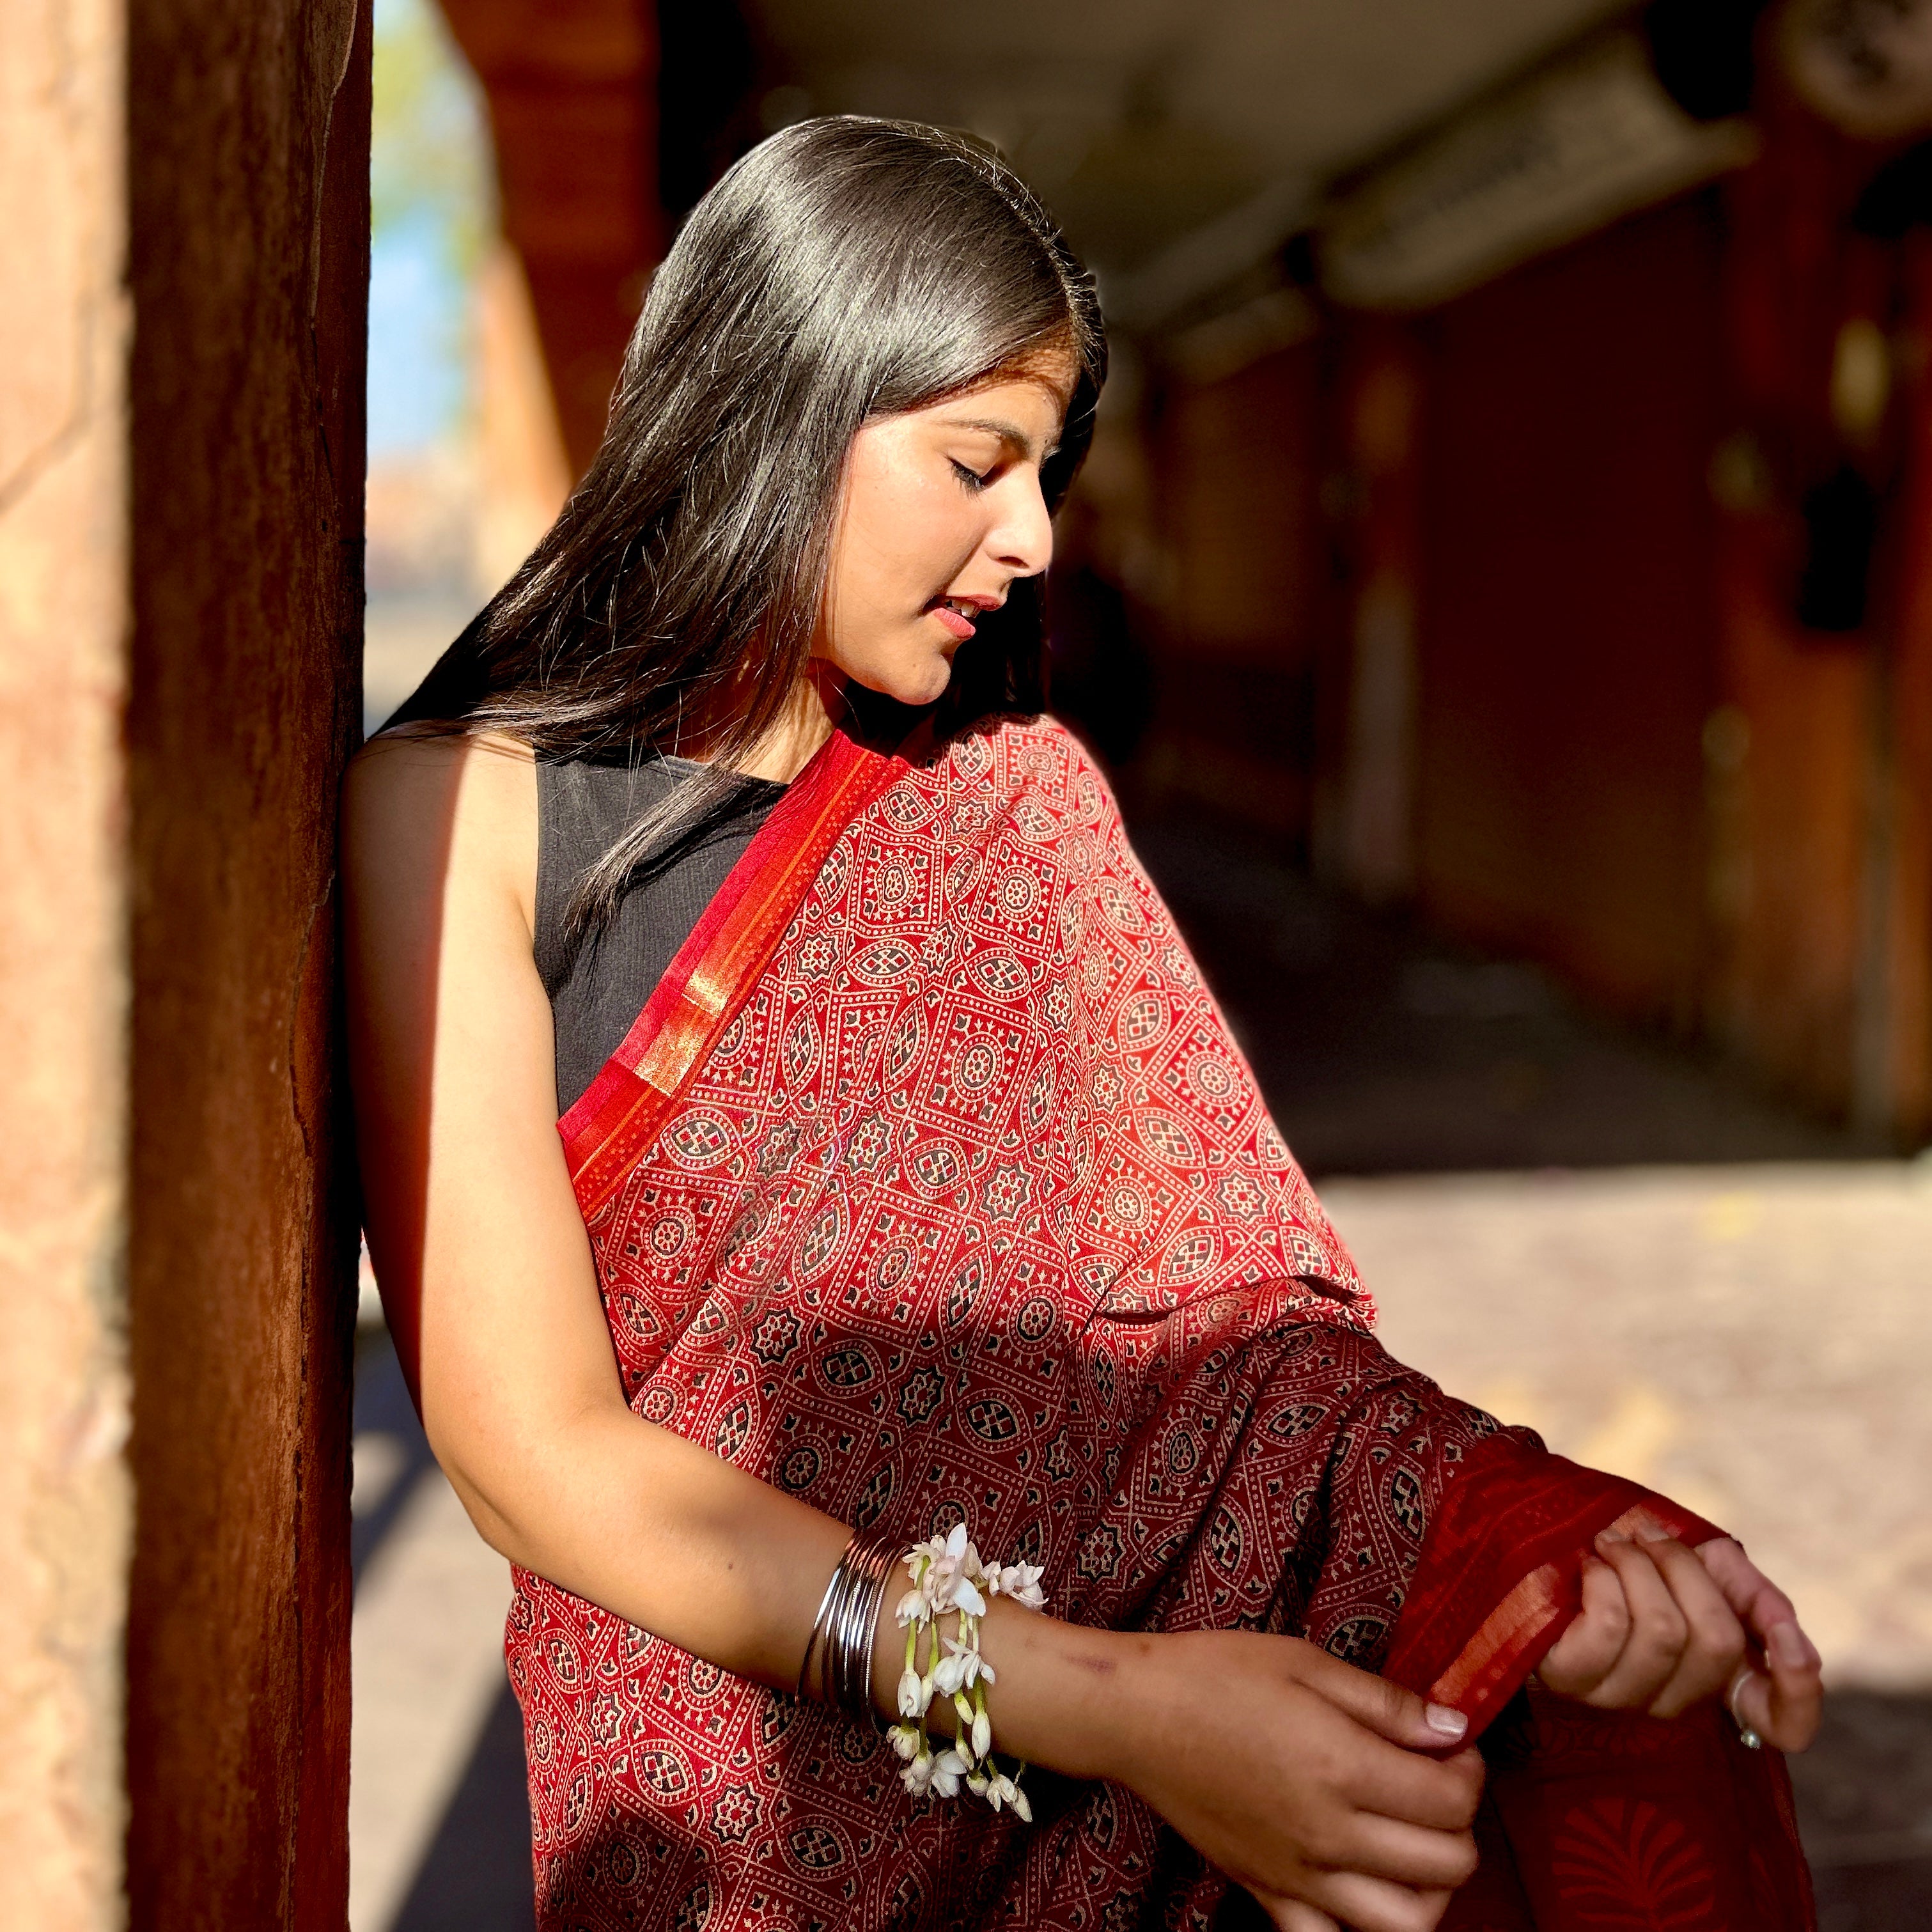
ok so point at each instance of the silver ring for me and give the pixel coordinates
(1748, 1738)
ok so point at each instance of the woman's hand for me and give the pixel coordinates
(1777, 1689)
(1330, 1794)
(1663, 1626)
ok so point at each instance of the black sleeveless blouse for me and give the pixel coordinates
(597, 989)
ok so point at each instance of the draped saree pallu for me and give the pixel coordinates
(930, 1184)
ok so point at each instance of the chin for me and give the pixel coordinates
(923, 682)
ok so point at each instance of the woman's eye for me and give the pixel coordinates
(969, 479)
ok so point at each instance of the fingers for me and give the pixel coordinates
(1782, 1703)
(1291, 1915)
(1751, 1594)
(1753, 1597)
(1584, 1654)
(1439, 1795)
(1388, 1710)
(1714, 1642)
(1783, 1706)
(1365, 1904)
(1678, 1632)
(1658, 1631)
(1797, 1687)
(1409, 1855)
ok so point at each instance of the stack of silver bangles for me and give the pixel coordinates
(948, 1578)
(847, 1626)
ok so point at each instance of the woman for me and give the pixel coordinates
(908, 1179)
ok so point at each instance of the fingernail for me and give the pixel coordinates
(1785, 1642)
(1453, 1723)
(1650, 1532)
(1611, 1536)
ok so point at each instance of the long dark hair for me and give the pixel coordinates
(846, 268)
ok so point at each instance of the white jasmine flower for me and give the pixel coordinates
(904, 1739)
(939, 1580)
(976, 1784)
(914, 1607)
(1000, 1789)
(962, 1668)
(918, 1774)
(966, 1596)
(1021, 1582)
(915, 1694)
(947, 1768)
(982, 1735)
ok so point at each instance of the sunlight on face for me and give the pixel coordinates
(942, 511)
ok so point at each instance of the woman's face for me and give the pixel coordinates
(942, 510)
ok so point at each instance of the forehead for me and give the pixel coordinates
(1043, 383)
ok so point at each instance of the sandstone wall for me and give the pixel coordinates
(63, 1490)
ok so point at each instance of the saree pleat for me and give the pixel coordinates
(930, 1184)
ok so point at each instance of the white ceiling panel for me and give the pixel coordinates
(1141, 121)
(1323, 85)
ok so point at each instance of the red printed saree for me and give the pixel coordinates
(928, 1184)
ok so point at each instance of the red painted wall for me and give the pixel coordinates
(1238, 465)
(1566, 626)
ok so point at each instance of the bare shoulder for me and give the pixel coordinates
(438, 815)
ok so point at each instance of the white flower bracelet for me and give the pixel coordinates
(948, 1578)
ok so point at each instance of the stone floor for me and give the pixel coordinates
(1668, 1273)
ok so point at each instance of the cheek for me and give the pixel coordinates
(907, 535)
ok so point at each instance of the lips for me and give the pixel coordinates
(957, 614)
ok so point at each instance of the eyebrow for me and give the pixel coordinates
(1007, 432)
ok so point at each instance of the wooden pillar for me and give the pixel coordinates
(572, 85)
(248, 131)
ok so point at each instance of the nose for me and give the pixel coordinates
(1022, 540)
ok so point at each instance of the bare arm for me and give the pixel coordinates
(484, 1264)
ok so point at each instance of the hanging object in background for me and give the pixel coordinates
(1897, 197)
(1860, 381)
(1705, 53)
(1841, 522)
(1585, 140)
(1865, 65)
(1842, 513)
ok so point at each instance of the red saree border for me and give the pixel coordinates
(1501, 1575)
(608, 1129)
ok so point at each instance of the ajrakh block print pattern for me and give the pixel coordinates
(974, 1211)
